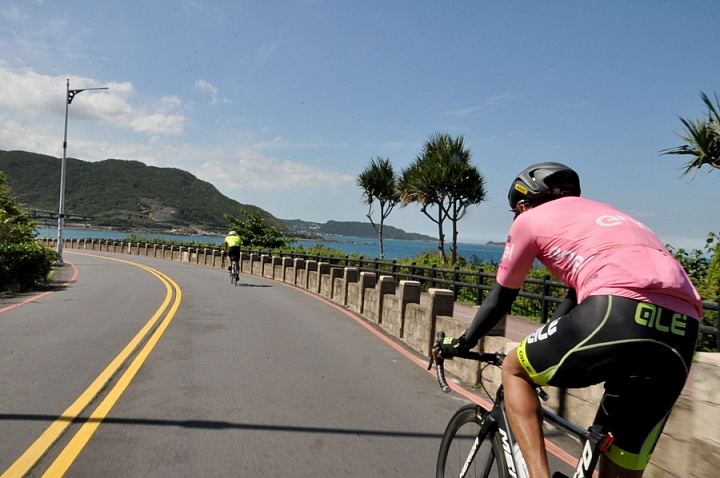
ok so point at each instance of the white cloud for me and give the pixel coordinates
(251, 170)
(265, 53)
(157, 123)
(45, 139)
(206, 87)
(26, 92)
(32, 107)
(496, 100)
(13, 13)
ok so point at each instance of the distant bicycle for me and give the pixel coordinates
(234, 274)
(479, 442)
(233, 270)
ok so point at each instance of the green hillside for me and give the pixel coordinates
(121, 194)
(130, 195)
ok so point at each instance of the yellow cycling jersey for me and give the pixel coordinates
(233, 241)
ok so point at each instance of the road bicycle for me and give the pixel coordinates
(234, 275)
(479, 442)
(233, 269)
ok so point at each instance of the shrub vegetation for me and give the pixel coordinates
(24, 264)
(703, 267)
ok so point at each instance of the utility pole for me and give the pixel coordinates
(70, 94)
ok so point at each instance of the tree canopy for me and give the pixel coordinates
(256, 232)
(379, 183)
(15, 226)
(24, 264)
(444, 182)
(701, 137)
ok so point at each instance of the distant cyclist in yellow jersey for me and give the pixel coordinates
(231, 247)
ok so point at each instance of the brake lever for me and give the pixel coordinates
(439, 365)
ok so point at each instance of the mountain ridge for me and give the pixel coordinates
(122, 194)
(130, 195)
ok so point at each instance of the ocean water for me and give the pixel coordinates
(364, 246)
(398, 249)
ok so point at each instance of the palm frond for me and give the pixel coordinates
(702, 139)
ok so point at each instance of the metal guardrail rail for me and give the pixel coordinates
(477, 281)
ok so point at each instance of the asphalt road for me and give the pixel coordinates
(141, 367)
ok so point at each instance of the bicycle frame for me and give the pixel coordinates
(498, 417)
(594, 441)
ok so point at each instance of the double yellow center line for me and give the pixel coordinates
(66, 457)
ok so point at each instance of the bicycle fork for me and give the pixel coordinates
(487, 423)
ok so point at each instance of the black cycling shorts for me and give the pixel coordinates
(641, 351)
(234, 253)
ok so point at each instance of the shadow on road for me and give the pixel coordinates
(216, 425)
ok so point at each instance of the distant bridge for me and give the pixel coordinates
(42, 213)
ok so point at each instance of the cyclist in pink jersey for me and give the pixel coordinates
(630, 319)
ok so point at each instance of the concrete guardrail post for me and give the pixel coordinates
(327, 285)
(281, 270)
(419, 328)
(356, 290)
(373, 307)
(310, 266)
(393, 311)
(293, 277)
(340, 285)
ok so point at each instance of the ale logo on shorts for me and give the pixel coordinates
(650, 315)
(543, 332)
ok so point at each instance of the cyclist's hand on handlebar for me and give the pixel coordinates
(449, 347)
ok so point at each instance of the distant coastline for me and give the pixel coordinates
(365, 247)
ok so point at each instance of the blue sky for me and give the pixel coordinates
(281, 104)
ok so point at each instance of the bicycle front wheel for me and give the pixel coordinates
(464, 452)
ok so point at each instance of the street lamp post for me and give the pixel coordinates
(70, 94)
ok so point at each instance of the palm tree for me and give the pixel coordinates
(379, 183)
(420, 183)
(468, 188)
(444, 182)
(702, 142)
(702, 139)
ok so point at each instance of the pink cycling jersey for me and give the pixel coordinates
(597, 250)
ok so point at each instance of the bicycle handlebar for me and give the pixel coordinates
(489, 358)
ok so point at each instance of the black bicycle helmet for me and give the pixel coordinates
(543, 179)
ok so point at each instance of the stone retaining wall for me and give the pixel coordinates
(689, 447)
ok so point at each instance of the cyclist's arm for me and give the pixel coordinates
(517, 260)
(495, 306)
